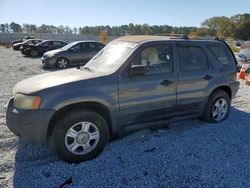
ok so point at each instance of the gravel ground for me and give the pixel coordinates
(189, 154)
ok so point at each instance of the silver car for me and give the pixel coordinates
(75, 53)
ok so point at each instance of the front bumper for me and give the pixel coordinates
(30, 124)
(15, 47)
(48, 62)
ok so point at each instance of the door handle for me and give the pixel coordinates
(207, 77)
(166, 82)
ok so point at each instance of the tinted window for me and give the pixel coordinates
(30, 42)
(220, 53)
(45, 44)
(92, 46)
(76, 48)
(157, 59)
(99, 46)
(84, 47)
(191, 58)
(95, 46)
(57, 43)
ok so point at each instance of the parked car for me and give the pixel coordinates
(242, 59)
(75, 53)
(26, 42)
(40, 48)
(134, 82)
(22, 40)
(26, 45)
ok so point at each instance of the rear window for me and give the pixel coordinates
(220, 53)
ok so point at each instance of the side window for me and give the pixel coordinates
(220, 53)
(30, 42)
(63, 44)
(191, 58)
(99, 46)
(157, 59)
(93, 46)
(75, 48)
(84, 47)
(57, 43)
(45, 44)
(51, 44)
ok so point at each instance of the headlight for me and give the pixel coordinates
(27, 102)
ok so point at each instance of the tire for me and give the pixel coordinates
(62, 63)
(75, 149)
(34, 53)
(217, 107)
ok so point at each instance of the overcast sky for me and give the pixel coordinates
(76, 13)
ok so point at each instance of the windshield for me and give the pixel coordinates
(68, 46)
(110, 58)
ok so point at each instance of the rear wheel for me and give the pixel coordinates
(217, 107)
(81, 135)
(34, 53)
(62, 63)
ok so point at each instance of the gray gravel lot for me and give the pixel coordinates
(189, 154)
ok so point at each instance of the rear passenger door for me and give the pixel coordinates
(195, 73)
(151, 96)
(75, 54)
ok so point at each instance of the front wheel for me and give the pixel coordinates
(217, 107)
(62, 63)
(80, 136)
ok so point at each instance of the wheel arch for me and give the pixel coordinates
(94, 106)
(62, 57)
(225, 88)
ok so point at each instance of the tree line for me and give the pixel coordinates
(237, 27)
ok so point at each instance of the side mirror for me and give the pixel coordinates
(136, 70)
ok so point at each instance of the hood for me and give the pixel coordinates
(48, 80)
(53, 52)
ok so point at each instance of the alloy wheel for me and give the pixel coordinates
(82, 138)
(220, 109)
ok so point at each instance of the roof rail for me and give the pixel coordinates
(173, 36)
(207, 38)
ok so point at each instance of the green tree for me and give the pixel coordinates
(15, 27)
(2, 27)
(7, 27)
(242, 26)
(218, 26)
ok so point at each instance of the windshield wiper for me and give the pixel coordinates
(88, 69)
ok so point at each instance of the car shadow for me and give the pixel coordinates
(39, 160)
(50, 69)
(26, 56)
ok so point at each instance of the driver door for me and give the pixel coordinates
(151, 96)
(75, 54)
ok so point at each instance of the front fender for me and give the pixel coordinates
(57, 98)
